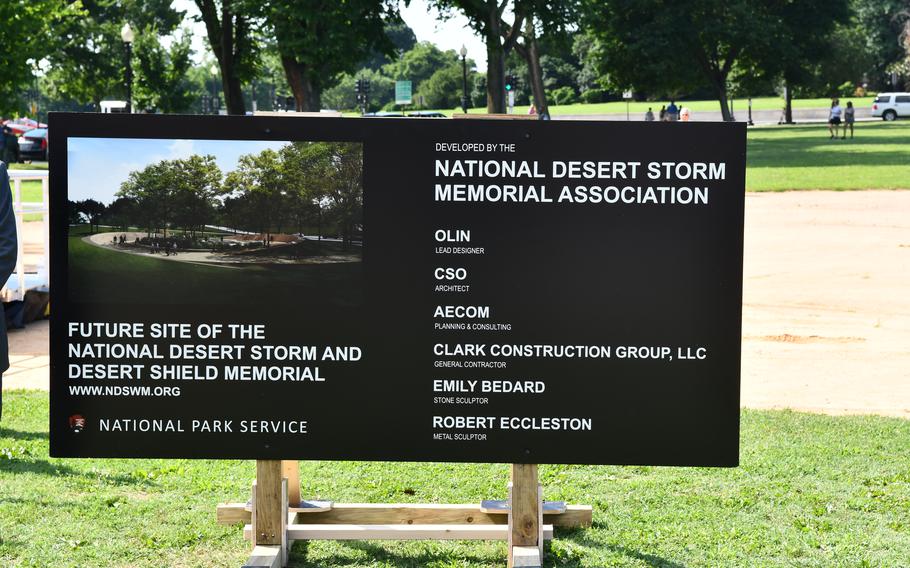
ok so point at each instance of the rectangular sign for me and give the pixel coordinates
(321, 288)
(402, 92)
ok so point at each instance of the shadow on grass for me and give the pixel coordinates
(583, 537)
(814, 148)
(22, 435)
(378, 553)
(44, 467)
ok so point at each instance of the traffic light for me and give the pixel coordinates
(510, 83)
(358, 87)
(365, 85)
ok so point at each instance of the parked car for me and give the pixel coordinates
(891, 106)
(427, 114)
(24, 124)
(33, 145)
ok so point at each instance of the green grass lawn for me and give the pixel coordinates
(31, 193)
(804, 157)
(812, 491)
(31, 166)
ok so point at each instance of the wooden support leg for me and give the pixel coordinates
(290, 470)
(524, 518)
(267, 513)
(269, 516)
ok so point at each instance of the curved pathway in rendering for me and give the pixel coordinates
(208, 258)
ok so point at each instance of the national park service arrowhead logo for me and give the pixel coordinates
(77, 423)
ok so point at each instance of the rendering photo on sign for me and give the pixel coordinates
(228, 216)
(283, 288)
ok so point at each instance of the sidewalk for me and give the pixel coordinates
(29, 360)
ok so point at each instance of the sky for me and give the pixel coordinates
(450, 34)
(97, 166)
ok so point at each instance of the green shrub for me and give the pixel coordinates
(593, 96)
(563, 96)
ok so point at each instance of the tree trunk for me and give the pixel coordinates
(233, 93)
(220, 32)
(496, 91)
(720, 88)
(306, 96)
(531, 55)
(788, 108)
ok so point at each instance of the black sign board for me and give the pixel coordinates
(396, 289)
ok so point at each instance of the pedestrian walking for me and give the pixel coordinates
(649, 116)
(849, 119)
(663, 113)
(672, 112)
(834, 118)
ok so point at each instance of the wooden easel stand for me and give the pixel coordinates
(524, 521)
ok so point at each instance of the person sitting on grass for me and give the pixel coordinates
(834, 118)
(849, 119)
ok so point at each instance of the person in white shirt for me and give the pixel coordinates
(834, 118)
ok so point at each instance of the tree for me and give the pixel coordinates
(802, 37)
(93, 210)
(679, 45)
(486, 18)
(73, 213)
(443, 88)
(403, 39)
(419, 64)
(162, 82)
(345, 185)
(197, 188)
(89, 64)
(882, 22)
(259, 179)
(319, 39)
(28, 34)
(229, 32)
(543, 18)
(151, 189)
(121, 213)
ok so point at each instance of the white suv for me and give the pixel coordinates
(890, 106)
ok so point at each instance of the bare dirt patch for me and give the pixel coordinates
(826, 302)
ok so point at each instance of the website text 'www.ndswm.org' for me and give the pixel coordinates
(98, 390)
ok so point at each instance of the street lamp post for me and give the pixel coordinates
(214, 71)
(127, 35)
(464, 78)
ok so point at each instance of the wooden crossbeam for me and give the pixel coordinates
(575, 516)
(398, 532)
